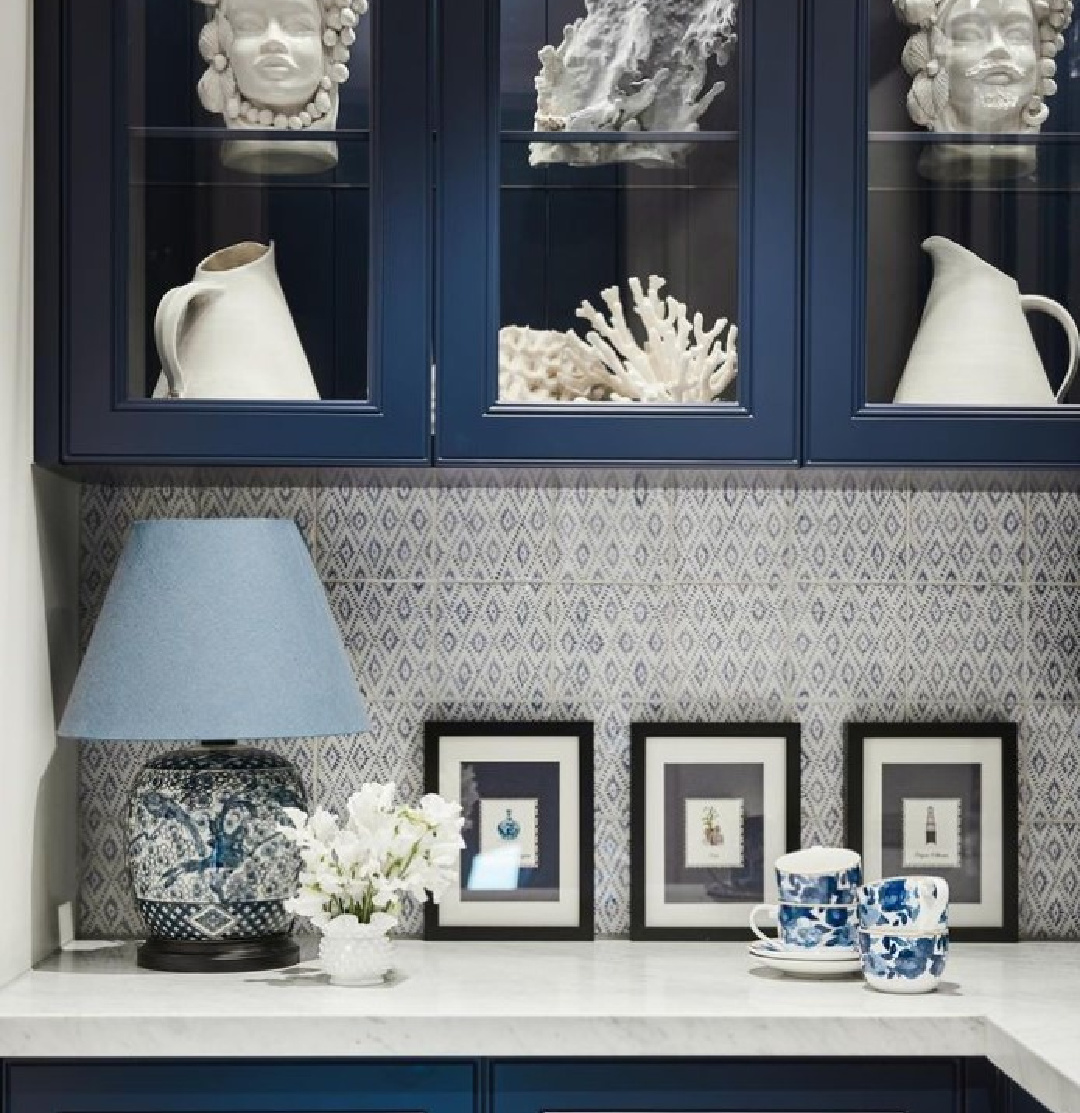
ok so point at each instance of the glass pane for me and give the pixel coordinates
(619, 201)
(248, 255)
(974, 224)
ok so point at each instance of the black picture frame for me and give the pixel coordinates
(640, 735)
(435, 732)
(857, 735)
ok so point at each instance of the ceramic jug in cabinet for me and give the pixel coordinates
(974, 347)
(228, 334)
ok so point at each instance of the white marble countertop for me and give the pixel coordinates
(1018, 1005)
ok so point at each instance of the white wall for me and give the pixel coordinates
(38, 568)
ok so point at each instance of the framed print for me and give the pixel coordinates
(712, 808)
(940, 799)
(526, 792)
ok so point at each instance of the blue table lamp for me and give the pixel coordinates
(214, 631)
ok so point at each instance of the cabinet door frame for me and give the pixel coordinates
(738, 1085)
(470, 427)
(84, 381)
(840, 426)
(246, 1086)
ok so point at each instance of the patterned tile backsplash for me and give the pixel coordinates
(618, 596)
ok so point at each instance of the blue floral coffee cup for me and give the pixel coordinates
(819, 875)
(903, 963)
(808, 926)
(919, 904)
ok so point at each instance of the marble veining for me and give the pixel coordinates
(1014, 1004)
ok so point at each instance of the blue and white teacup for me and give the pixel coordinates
(819, 875)
(903, 963)
(808, 926)
(907, 903)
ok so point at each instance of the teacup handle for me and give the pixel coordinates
(770, 911)
(931, 903)
(1037, 303)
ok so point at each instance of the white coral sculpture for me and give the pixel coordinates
(632, 66)
(680, 360)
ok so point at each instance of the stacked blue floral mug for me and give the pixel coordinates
(904, 933)
(816, 910)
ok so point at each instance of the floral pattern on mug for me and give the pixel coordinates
(914, 959)
(823, 888)
(897, 902)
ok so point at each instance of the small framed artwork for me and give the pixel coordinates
(940, 799)
(712, 808)
(526, 792)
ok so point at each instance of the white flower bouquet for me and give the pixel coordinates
(356, 870)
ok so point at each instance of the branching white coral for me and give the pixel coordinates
(680, 360)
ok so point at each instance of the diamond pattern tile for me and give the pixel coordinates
(500, 532)
(381, 531)
(849, 642)
(392, 750)
(297, 503)
(731, 527)
(492, 641)
(966, 646)
(618, 532)
(730, 642)
(389, 632)
(1049, 881)
(654, 596)
(974, 534)
(1053, 644)
(851, 529)
(1050, 764)
(612, 642)
(1054, 531)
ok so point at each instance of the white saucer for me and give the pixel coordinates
(808, 964)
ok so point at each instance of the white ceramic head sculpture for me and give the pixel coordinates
(277, 63)
(982, 65)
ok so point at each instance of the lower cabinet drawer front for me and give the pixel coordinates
(214, 1086)
(733, 1086)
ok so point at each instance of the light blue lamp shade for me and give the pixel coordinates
(215, 629)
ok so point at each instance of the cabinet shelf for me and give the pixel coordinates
(276, 134)
(924, 163)
(622, 137)
(166, 158)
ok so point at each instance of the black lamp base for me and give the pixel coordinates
(201, 956)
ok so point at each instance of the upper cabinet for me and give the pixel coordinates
(571, 231)
(943, 232)
(617, 219)
(233, 230)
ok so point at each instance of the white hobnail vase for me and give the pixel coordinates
(356, 954)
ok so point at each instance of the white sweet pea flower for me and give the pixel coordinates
(358, 870)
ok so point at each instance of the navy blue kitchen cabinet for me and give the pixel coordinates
(881, 1085)
(879, 185)
(747, 1085)
(532, 223)
(187, 1086)
(134, 189)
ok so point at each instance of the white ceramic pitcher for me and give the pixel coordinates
(974, 347)
(229, 333)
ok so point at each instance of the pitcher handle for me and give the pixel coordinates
(1035, 302)
(170, 312)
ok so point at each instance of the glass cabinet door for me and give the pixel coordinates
(248, 186)
(617, 205)
(945, 178)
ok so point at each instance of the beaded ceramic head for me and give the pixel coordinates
(982, 65)
(277, 63)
